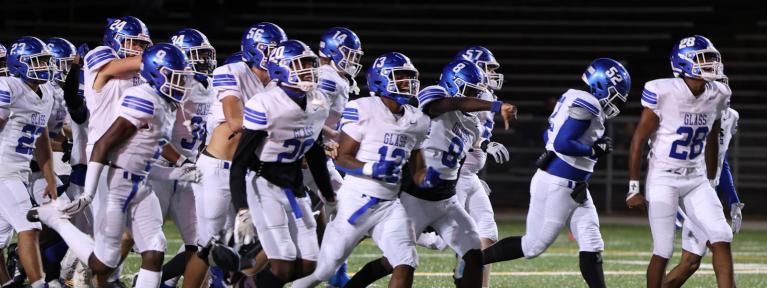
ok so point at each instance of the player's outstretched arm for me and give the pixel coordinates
(244, 158)
(712, 150)
(43, 155)
(648, 123)
(317, 162)
(464, 104)
(117, 67)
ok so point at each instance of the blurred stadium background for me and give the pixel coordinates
(543, 47)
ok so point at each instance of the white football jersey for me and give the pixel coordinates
(581, 101)
(476, 158)
(451, 135)
(27, 118)
(102, 104)
(336, 87)
(382, 136)
(291, 130)
(59, 110)
(236, 80)
(153, 116)
(729, 128)
(195, 110)
(685, 121)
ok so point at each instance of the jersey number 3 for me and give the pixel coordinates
(692, 139)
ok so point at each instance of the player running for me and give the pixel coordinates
(559, 189)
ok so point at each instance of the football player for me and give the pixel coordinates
(575, 141)
(378, 135)
(682, 119)
(3, 61)
(134, 141)
(233, 84)
(24, 114)
(453, 131)
(283, 126)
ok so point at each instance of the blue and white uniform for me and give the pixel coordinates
(677, 172)
(450, 137)
(284, 222)
(551, 203)
(26, 116)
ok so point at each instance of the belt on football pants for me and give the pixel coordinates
(682, 170)
(357, 214)
(293, 202)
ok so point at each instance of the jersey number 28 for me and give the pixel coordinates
(692, 139)
(27, 141)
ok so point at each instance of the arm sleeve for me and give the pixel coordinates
(225, 83)
(5, 99)
(649, 97)
(350, 121)
(255, 115)
(726, 185)
(244, 158)
(566, 141)
(317, 162)
(137, 110)
(98, 57)
(74, 102)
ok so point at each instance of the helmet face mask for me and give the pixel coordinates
(176, 84)
(165, 68)
(39, 66)
(294, 65)
(608, 104)
(707, 64)
(3, 61)
(466, 89)
(132, 45)
(494, 79)
(349, 61)
(695, 57)
(403, 82)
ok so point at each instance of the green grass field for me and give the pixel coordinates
(627, 250)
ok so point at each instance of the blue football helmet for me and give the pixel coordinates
(30, 59)
(293, 64)
(258, 42)
(200, 54)
(3, 61)
(234, 58)
(462, 78)
(164, 67)
(344, 49)
(486, 61)
(695, 57)
(125, 34)
(63, 53)
(608, 79)
(393, 75)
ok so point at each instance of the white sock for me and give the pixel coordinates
(38, 284)
(148, 279)
(80, 243)
(116, 275)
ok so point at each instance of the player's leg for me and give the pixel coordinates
(478, 205)
(662, 205)
(460, 232)
(6, 233)
(693, 250)
(212, 206)
(304, 233)
(14, 211)
(395, 236)
(270, 214)
(704, 209)
(146, 228)
(584, 223)
(183, 212)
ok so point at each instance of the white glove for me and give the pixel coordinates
(244, 232)
(485, 186)
(92, 176)
(736, 216)
(713, 183)
(186, 173)
(498, 151)
(331, 209)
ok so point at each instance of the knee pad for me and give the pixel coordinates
(720, 233)
(533, 247)
(665, 250)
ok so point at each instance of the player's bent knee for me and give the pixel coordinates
(534, 248)
(152, 260)
(721, 234)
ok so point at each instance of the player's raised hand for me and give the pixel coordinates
(244, 232)
(498, 151)
(736, 216)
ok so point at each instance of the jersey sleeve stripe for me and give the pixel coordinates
(97, 54)
(138, 107)
(349, 117)
(223, 76)
(99, 57)
(5, 93)
(255, 120)
(138, 104)
(649, 97)
(254, 112)
(140, 100)
(224, 83)
(586, 105)
(327, 85)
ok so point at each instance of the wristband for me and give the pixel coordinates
(496, 106)
(633, 189)
(180, 161)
